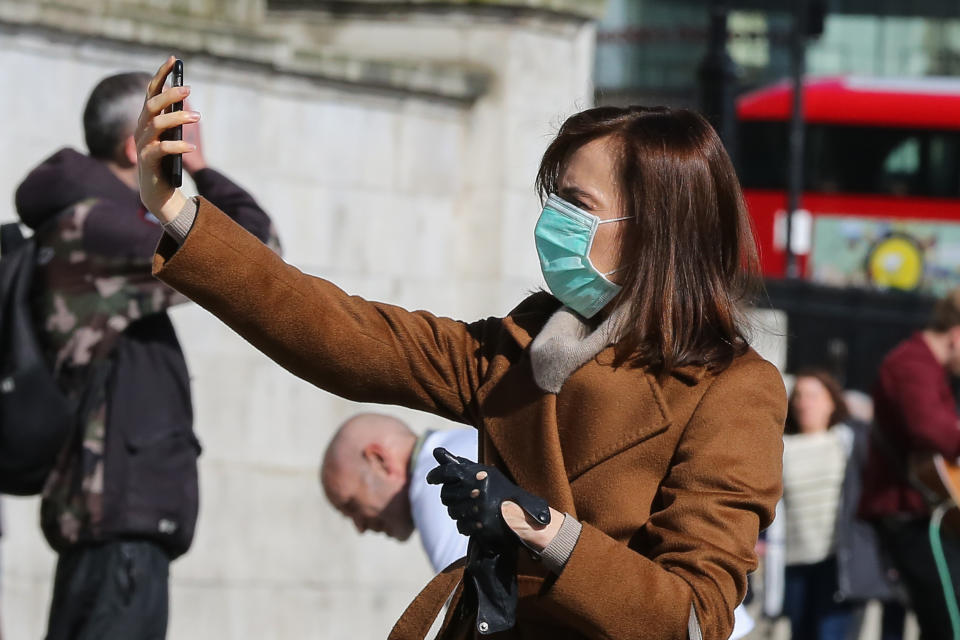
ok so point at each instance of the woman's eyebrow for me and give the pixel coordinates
(576, 192)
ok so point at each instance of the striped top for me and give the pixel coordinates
(813, 469)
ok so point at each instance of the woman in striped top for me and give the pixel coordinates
(816, 448)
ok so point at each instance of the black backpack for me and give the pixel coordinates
(35, 416)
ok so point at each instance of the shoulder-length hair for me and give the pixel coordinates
(840, 410)
(688, 257)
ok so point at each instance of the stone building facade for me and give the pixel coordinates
(395, 143)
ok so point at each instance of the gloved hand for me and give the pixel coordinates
(473, 493)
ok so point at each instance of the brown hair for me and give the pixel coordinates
(840, 410)
(688, 254)
(946, 312)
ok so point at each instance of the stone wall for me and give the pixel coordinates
(396, 151)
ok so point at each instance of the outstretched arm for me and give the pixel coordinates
(357, 349)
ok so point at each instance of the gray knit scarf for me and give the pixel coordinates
(566, 343)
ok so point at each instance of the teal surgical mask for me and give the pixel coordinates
(564, 236)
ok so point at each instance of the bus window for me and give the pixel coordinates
(900, 174)
(763, 154)
(943, 170)
(850, 159)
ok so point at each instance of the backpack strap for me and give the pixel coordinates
(11, 238)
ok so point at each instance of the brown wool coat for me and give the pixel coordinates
(672, 479)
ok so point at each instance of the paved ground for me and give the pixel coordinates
(780, 629)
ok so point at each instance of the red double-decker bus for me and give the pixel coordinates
(881, 198)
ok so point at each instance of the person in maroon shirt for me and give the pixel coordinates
(915, 412)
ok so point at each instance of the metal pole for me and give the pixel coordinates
(718, 78)
(798, 50)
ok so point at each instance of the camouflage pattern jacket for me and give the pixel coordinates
(129, 470)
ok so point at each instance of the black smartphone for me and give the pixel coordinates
(173, 164)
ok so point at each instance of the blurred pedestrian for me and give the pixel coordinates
(864, 572)
(630, 439)
(833, 564)
(816, 446)
(374, 472)
(915, 413)
(122, 500)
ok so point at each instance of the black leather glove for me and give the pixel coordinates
(492, 556)
(475, 503)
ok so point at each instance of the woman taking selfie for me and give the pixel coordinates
(630, 440)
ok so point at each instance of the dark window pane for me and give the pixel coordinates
(763, 154)
(847, 159)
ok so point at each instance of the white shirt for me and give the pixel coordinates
(813, 470)
(438, 532)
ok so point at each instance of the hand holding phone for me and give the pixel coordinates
(173, 164)
(158, 195)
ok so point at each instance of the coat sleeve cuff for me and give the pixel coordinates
(556, 554)
(639, 594)
(179, 227)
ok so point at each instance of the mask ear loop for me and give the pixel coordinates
(610, 273)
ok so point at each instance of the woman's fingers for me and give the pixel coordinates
(152, 154)
(152, 129)
(168, 147)
(160, 77)
(154, 90)
(160, 102)
(159, 196)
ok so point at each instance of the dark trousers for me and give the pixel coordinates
(810, 603)
(908, 544)
(110, 591)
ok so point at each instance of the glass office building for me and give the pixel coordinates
(649, 50)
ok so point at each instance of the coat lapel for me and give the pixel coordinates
(520, 419)
(545, 440)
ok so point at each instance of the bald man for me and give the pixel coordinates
(374, 472)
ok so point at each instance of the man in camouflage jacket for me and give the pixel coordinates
(122, 499)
